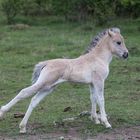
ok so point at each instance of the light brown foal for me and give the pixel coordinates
(92, 68)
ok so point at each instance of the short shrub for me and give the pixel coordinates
(10, 9)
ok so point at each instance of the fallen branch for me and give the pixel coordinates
(82, 114)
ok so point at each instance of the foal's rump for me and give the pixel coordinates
(48, 72)
(37, 70)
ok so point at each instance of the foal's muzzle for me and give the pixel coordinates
(125, 55)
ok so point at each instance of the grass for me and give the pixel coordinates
(49, 39)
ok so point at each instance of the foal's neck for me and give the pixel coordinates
(102, 52)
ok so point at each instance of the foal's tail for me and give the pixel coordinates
(37, 70)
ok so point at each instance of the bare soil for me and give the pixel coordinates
(130, 133)
(124, 133)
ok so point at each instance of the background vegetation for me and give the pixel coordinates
(55, 29)
(75, 10)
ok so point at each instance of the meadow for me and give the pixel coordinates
(49, 38)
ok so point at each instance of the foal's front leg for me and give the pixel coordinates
(99, 93)
(94, 114)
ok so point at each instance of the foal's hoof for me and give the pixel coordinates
(97, 121)
(22, 130)
(108, 126)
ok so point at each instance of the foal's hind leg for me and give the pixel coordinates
(34, 102)
(24, 93)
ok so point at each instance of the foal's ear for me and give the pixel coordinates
(111, 33)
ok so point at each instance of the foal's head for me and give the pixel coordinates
(116, 43)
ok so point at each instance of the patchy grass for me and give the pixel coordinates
(21, 49)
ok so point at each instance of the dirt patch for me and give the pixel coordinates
(124, 133)
(130, 133)
(19, 26)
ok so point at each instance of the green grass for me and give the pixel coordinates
(51, 38)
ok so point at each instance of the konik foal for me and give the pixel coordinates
(92, 68)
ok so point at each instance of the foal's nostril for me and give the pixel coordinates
(125, 55)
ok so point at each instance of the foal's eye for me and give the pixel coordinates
(118, 43)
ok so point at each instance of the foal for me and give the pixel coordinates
(92, 68)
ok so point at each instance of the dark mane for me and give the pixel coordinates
(98, 37)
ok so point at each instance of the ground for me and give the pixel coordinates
(123, 133)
